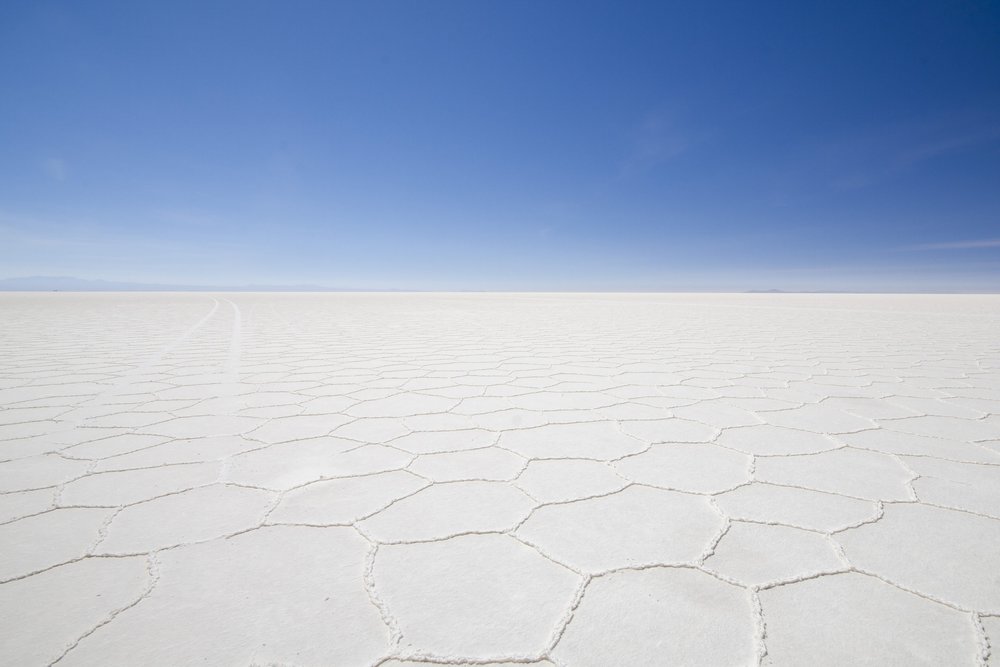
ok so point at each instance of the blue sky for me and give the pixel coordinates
(504, 145)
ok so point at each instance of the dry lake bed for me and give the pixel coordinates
(545, 479)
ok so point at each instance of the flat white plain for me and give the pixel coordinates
(551, 479)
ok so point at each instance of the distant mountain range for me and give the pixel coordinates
(70, 284)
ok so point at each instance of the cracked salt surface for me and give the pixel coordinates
(397, 480)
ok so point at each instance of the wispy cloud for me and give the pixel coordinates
(56, 168)
(877, 154)
(951, 144)
(655, 140)
(955, 245)
(187, 218)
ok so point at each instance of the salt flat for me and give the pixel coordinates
(575, 479)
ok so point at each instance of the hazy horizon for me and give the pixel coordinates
(503, 146)
(71, 284)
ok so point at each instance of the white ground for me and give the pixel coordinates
(391, 479)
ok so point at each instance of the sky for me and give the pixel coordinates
(503, 145)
